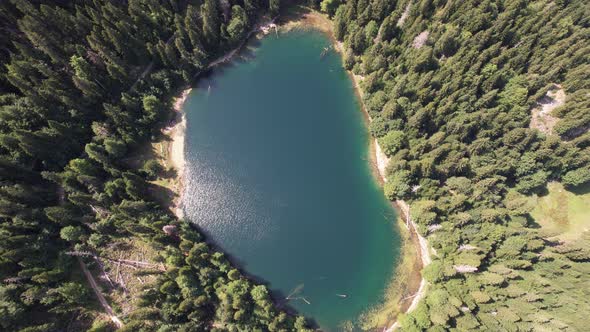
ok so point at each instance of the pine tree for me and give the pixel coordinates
(211, 23)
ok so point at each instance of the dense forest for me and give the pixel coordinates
(84, 83)
(450, 86)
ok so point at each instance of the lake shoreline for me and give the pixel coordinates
(177, 132)
(176, 157)
(378, 162)
(384, 249)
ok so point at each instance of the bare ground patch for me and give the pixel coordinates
(541, 118)
(130, 264)
(420, 39)
(404, 16)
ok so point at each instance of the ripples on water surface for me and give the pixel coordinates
(277, 175)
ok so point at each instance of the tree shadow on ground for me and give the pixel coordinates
(580, 190)
(162, 195)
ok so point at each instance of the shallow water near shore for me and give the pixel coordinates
(277, 174)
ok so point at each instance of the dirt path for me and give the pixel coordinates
(143, 74)
(229, 55)
(103, 302)
(98, 293)
(148, 69)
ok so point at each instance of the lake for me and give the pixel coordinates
(278, 176)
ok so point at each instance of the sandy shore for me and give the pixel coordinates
(422, 246)
(379, 160)
(176, 151)
(177, 132)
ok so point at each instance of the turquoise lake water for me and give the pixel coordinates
(278, 176)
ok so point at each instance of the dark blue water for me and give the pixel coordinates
(277, 175)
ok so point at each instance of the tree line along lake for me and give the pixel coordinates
(277, 175)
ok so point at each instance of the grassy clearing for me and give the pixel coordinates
(164, 189)
(302, 17)
(562, 213)
(128, 280)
